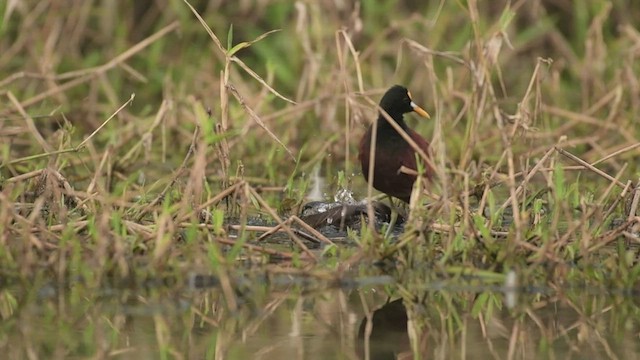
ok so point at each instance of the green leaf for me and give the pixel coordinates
(496, 216)
(484, 231)
(506, 17)
(559, 182)
(230, 37)
(218, 221)
(479, 304)
(246, 44)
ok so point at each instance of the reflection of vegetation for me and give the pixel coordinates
(534, 132)
(292, 317)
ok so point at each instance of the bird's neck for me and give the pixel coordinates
(384, 124)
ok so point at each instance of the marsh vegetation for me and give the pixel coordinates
(155, 158)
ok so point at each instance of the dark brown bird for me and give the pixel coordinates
(392, 151)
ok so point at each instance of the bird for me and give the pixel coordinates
(392, 151)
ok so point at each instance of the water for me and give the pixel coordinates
(263, 315)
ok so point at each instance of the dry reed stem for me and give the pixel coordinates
(91, 73)
(590, 167)
(99, 169)
(30, 124)
(252, 114)
(165, 107)
(275, 217)
(575, 117)
(274, 229)
(271, 230)
(614, 204)
(634, 203)
(617, 152)
(313, 231)
(347, 103)
(216, 199)
(176, 175)
(68, 150)
(356, 60)
(316, 235)
(611, 235)
(259, 79)
(564, 239)
(527, 178)
(261, 249)
(105, 123)
(25, 176)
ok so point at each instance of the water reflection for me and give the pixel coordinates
(383, 335)
(307, 320)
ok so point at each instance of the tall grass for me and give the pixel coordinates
(141, 139)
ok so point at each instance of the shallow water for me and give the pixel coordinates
(289, 316)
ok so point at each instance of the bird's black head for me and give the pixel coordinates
(397, 101)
